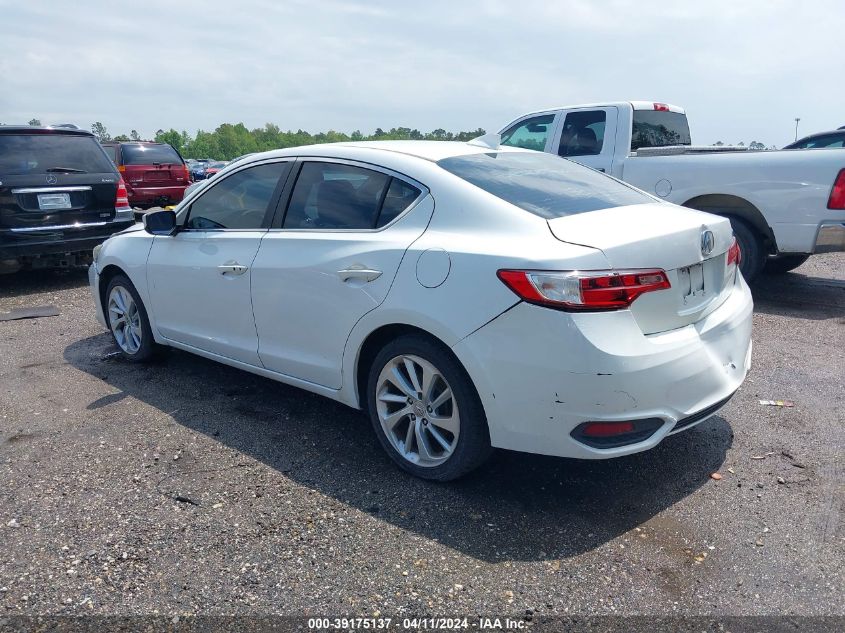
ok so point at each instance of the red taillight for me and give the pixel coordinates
(734, 254)
(583, 290)
(661, 107)
(607, 429)
(837, 194)
(187, 173)
(121, 199)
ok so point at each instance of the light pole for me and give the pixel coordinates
(796, 127)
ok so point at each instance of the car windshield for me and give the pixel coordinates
(22, 154)
(543, 184)
(149, 155)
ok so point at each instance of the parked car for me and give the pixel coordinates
(155, 173)
(60, 196)
(212, 168)
(827, 140)
(783, 206)
(197, 171)
(464, 295)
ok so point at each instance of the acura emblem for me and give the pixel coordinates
(708, 242)
(51, 179)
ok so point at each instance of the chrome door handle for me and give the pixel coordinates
(355, 272)
(232, 268)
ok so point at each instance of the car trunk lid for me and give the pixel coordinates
(691, 246)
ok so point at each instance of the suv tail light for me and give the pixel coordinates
(187, 173)
(122, 210)
(583, 291)
(837, 194)
(734, 254)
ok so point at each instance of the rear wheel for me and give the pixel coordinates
(751, 249)
(425, 410)
(128, 321)
(784, 263)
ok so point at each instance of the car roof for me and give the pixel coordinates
(838, 132)
(42, 129)
(427, 150)
(636, 105)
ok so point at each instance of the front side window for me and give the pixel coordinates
(543, 184)
(238, 201)
(336, 196)
(583, 133)
(529, 134)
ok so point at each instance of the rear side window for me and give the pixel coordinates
(149, 155)
(26, 154)
(543, 184)
(583, 133)
(238, 201)
(529, 134)
(654, 128)
(400, 195)
(111, 150)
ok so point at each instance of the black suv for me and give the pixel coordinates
(60, 195)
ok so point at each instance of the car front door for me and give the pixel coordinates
(581, 137)
(199, 278)
(330, 258)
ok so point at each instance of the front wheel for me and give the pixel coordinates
(128, 321)
(425, 410)
(784, 263)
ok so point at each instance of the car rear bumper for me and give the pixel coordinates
(542, 373)
(830, 238)
(57, 240)
(155, 195)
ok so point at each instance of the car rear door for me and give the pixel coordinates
(54, 181)
(329, 260)
(199, 279)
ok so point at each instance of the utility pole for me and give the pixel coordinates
(796, 127)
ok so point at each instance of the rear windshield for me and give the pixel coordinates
(653, 128)
(149, 155)
(25, 154)
(543, 184)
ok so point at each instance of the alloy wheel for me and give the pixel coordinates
(125, 320)
(417, 410)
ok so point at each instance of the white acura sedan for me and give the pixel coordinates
(465, 296)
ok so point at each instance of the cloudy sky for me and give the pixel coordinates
(743, 69)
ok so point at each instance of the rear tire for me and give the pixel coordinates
(784, 263)
(128, 322)
(425, 410)
(753, 254)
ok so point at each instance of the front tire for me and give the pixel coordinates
(128, 322)
(784, 263)
(425, 410)
(752, 252)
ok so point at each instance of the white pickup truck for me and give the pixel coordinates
(783, 205)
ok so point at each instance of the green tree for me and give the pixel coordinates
(121, 138)
(100, 132)
(171, 137)
(34, 122)
(134, 135)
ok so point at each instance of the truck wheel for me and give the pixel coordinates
(784, 263)
(751, 249)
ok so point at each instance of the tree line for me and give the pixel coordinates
(231, 140)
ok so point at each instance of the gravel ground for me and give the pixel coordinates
(189, 487)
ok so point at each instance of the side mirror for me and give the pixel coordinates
(160, 222)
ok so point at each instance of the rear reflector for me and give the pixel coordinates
(607, 429)
(583, 290)
(614, 434)
(837, 194)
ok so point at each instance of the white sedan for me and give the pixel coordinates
(465, 296)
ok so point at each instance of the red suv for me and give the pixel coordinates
(154, 173)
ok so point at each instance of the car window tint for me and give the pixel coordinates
(529, 134)
(139, 154)
(659, 128)
(111, 150)
(399, 197)
(335, 196)
(25, 154)
(238, 201)
(583, 133)
(543, 184)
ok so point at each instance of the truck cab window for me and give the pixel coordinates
(583, 133)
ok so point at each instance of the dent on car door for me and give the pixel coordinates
(330, 259)
(199, 278)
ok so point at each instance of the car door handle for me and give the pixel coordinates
(232, 268)
(355, 272)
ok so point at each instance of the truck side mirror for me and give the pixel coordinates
(160, 222)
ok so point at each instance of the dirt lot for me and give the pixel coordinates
(187, 487)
